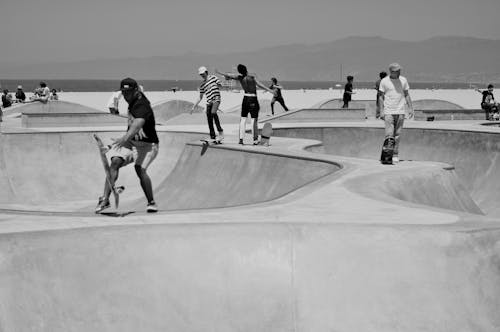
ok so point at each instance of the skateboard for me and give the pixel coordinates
(211, 141)
(387, 151)
(102, 152)
(265, 134)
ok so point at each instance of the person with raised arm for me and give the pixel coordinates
(250, 104)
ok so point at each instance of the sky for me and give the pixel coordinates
(38, 31)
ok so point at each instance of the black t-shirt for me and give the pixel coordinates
(487, 93)
(348, 87)
(276, 91)
(141, 108)
(6, 101)
(20, 95)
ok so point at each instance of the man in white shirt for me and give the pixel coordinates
(114, 101)
(394, 98)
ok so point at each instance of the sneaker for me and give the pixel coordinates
(220, 138)
(152, 207)
(256, 142)
(102, 204)
(395, 159)
(241, 141)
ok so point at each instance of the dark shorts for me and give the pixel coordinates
(250, 105)
(346, 97)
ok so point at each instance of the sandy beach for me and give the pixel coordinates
(295, 99)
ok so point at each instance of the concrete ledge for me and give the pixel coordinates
(319, 115)
(449, 114)
(33, 120)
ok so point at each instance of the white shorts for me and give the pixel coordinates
(143, 153)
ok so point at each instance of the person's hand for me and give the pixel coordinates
(119, 142)
(192, 110)
(411, 114)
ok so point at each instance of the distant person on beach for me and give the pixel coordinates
(139, 144)
(20, 95)
(277, 97)
(42, 93)
(6, 99)
(394, 98)
(114, 101)
(250, 104)
(488, 103)
(377, 86)
(348, 91)
(210, 87)
(53, 95)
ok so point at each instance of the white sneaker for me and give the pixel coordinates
(152, 207)
(395, 159)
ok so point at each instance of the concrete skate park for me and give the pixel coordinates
(309, 234)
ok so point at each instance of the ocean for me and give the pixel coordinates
(190, 85)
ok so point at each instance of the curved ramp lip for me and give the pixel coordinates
(299, 152)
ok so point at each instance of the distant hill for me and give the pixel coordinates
(439, 59)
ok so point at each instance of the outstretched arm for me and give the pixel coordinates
(260, 85)
(228, 76)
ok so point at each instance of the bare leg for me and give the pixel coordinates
(145, 181)
(116, 163)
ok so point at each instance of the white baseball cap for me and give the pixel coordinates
(202, 70)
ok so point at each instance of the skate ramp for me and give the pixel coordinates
(167, 110)
(475, 155)
(250, 277)
(370, 106)
(53, 106)
(66, 174)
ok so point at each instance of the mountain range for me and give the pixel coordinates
(438, 59)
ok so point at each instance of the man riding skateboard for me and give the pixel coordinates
(139, 144)
(210, 88)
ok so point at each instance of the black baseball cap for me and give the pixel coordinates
(128, 84)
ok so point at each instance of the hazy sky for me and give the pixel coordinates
(55, 30)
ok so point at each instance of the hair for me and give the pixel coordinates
(490, 86)
(350, 78)
(242, 69)
(53, 90)
(5, 91)
(274, 80)
(382, 74)
(43, 84)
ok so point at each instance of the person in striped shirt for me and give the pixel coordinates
(210, 88)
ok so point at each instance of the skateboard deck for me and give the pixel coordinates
(265, 134)
(387, 151)
(102, 152)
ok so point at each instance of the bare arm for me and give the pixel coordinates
(197, 102)
(228, 76)
(260, 85)
(381, 98)
(411, 112)
(134, 128)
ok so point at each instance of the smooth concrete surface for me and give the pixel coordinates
(52, 106)
(36, 120)
(370, 106)
(166, 110)
(318, 115)
(449, 114)
(334, 241)
(474, 154)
